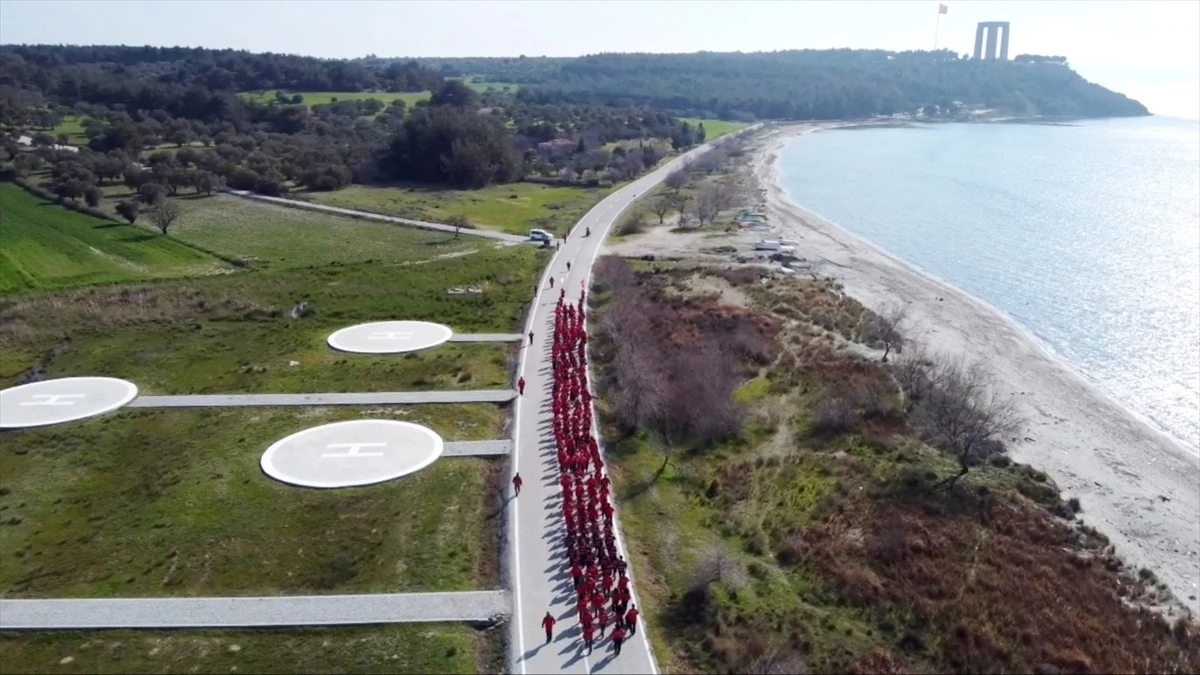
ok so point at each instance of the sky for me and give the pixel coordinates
(1146, 49)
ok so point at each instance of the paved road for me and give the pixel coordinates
(476, 448)
(486, 337)
(541, 581)
(376, 398)
(301, 610)
(439, 227)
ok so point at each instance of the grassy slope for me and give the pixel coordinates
(278, 236)
(232, 333)
(513, 208)
(714, 128)
(438, 648)
(838, 553)
(174, 503)
(312, 98)
(48, 246)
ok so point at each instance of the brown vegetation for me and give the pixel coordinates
(677, 361)
(839, 545)
(29, 321)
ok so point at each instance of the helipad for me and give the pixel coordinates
(389, 337)
(345, 454)
(63, 400)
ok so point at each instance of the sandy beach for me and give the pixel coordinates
(1135, 484)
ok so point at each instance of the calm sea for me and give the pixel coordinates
(1088, 235)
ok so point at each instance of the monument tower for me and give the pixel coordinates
(991, 27)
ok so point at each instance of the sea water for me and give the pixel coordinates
(1087, 235)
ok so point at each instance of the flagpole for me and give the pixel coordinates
(937, 26)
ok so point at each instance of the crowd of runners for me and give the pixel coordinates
(598, 572)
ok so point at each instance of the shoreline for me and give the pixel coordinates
(1137, 485)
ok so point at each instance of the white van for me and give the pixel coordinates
(766, 245)
(540, 235)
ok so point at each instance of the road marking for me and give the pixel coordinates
(53, 399)
(355, 450)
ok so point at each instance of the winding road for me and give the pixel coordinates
(540, 579)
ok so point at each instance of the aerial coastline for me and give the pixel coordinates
(1137, 485)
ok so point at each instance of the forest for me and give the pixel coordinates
(177, 111)
(802, 84)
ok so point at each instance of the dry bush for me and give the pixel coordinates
(961, 413)
(886, 327)
(676, 361)
(1005, 590)
(29, 320)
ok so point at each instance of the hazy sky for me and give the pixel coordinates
(1148, 50)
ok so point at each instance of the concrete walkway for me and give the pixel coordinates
(486, 337)
(251, 612)
(438, 227)
(476, 448)
(541, 581)
(378, 398)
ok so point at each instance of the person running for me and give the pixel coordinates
(568, 265)
(589, 635)
(551, 282)
(602, 619)
(548, 623)
(521, 386)
(587, 232)
(631, 618)
(517, 483)
(618, 636)
(530, 337)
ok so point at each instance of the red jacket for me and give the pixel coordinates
(548, 622)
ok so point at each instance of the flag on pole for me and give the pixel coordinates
(942, 9)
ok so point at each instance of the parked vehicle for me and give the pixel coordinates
(540, 235)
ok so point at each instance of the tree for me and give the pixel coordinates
(707, 204)
(128, 210)
(92, 196)
(151, 193)
(676, 179)
(661, 206)
(960, 412)
(455, 93)
(887, 327)
(679, 201)
(164, 213)
(458, 221)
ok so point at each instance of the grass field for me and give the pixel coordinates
(73, 127)
(174, 503)
(277, 236)
(481, 86)
(233, 334)
(416, 648)
(714, 129)
(312, 98)
(46, 246)
(514, 208)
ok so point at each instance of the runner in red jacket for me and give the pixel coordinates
(548, 623)
(631, 618)
(517, 483)
(589, 634)
(618, 636)
(521, 386)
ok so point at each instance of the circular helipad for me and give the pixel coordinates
(346, 454)
(389, 337)
(63, 400)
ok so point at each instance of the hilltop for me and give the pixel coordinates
(802, 84)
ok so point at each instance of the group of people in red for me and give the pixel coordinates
(598, 573)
